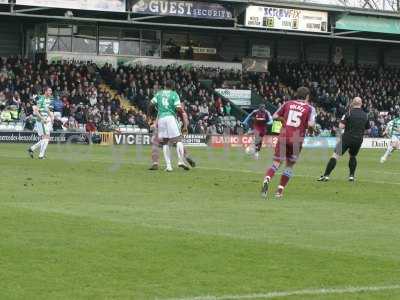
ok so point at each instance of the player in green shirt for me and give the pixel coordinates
(393, 131)
(168, 104)
(43, 112)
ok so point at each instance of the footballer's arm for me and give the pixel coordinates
(184, 117)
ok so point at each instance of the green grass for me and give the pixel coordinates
(93, 223)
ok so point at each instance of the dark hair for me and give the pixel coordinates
(169, 85)
(302, 93)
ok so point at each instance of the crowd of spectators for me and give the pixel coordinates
(207, 112)
(332, 88)
(79, 98)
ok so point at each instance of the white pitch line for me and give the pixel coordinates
(298, 175)
(310, 292)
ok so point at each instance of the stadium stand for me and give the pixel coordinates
(117, 99)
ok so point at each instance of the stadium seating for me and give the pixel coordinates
(117, 99)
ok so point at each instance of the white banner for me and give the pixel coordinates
(286, 19)
(3, 1)
(196, 50)
(373, 143)
(99, 60)
(178, 62)
(238, 97)
(101, 5)
(263, 51)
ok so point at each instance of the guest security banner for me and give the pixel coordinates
(194, 9)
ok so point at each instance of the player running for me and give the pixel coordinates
(393, 131)
(168, 104)
(296, 116)
(261, 118)
(43, 112)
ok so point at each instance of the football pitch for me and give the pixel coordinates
(91, 222)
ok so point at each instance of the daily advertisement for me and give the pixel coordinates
(100, 5)
(286, 19)
(220, 141)
(373, 143)
(193, 9)
(240, 98)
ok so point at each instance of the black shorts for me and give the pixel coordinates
(348, 144)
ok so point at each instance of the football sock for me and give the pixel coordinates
(167, 156)
(286, 175)
(181, 152)
(37, 145)
(258, 146)
(352, 165)
(43, 147)
(330, 166)
(155, 153)
(271, 172)
(389, 151)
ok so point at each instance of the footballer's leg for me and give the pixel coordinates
(258, 143)
(190, 160)
(180, 150)
(167, 155)
(293, 151)
(286, 175)
(39, 130)
(280, 154)
(43, 146)
(176, 135)
(392, 146)
(32, 149)
(353, 152)
(155, 151)
(270, 173)
(340, 149)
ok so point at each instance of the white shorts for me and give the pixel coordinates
(168, 128)
(43, 128)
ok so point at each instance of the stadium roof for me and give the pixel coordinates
(43, 14)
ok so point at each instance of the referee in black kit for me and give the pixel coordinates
(354, 123)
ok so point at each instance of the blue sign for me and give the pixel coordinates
(192, 9)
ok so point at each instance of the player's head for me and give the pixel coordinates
(356, 103)
(303, 93)
(262, 107)
(169, 85)
(48, 92)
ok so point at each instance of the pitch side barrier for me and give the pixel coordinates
(195, 140)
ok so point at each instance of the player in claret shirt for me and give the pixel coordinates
(261, 118)
(296, 116)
